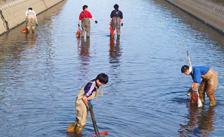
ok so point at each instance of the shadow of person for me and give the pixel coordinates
(83, 55)
(114, 51)
(69, 134)
(199, 121)
(206, 121)
(31, 40)
(84, 51)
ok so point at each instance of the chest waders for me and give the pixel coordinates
(116, 23)
(208, 85)
(31, 21)
(81, 109)
(85, 23)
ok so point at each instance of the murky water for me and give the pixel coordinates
(41, 74)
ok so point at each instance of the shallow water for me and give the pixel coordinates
(41, 74)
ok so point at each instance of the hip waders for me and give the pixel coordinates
(116, 23)
(81, 110)
(31, 21)
(208, 85)
(85, 27)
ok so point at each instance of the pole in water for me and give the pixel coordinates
(94, 120)
(199, 100)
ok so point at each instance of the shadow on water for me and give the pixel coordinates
(75, 135)
(83, 55)
(199, 121)
(115, 51)
(31, 40)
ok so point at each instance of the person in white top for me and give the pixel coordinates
(31, 20)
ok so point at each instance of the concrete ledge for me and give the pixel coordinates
(14, 12)
(50, 3)
(205, 11)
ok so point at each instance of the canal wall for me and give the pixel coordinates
(12, 13)
(206, 11)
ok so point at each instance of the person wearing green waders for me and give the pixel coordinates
(85, 22)
(208, 83)
(116, 19)
(87, 93)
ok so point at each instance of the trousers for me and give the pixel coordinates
(116, 24)
(208, 84)
(85, 27)
(31, 21)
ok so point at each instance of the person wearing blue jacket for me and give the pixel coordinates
(206, 77)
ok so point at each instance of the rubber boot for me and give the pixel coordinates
(202, 100)
(78, 130)
(212, 100)
(71, 127)
(32, 30)
(212, 103)
(202, 97)
(28, 30)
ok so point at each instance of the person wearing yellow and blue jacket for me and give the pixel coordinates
(86, 94)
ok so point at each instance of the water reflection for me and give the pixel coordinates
(199, 121)
(115, 52)
(31, 40)
(83, 54)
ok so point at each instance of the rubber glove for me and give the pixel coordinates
(36, 24)
(96, 21)
(26, 22)
(89, 103)
(121, 24)
(190, 91)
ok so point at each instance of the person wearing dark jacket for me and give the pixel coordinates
(116, 19)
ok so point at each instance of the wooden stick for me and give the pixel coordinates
(94, 121)
(199, 100)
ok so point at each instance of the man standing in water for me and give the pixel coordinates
(85, 22)
(208, 83)
(31, 20)
(116, 19)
